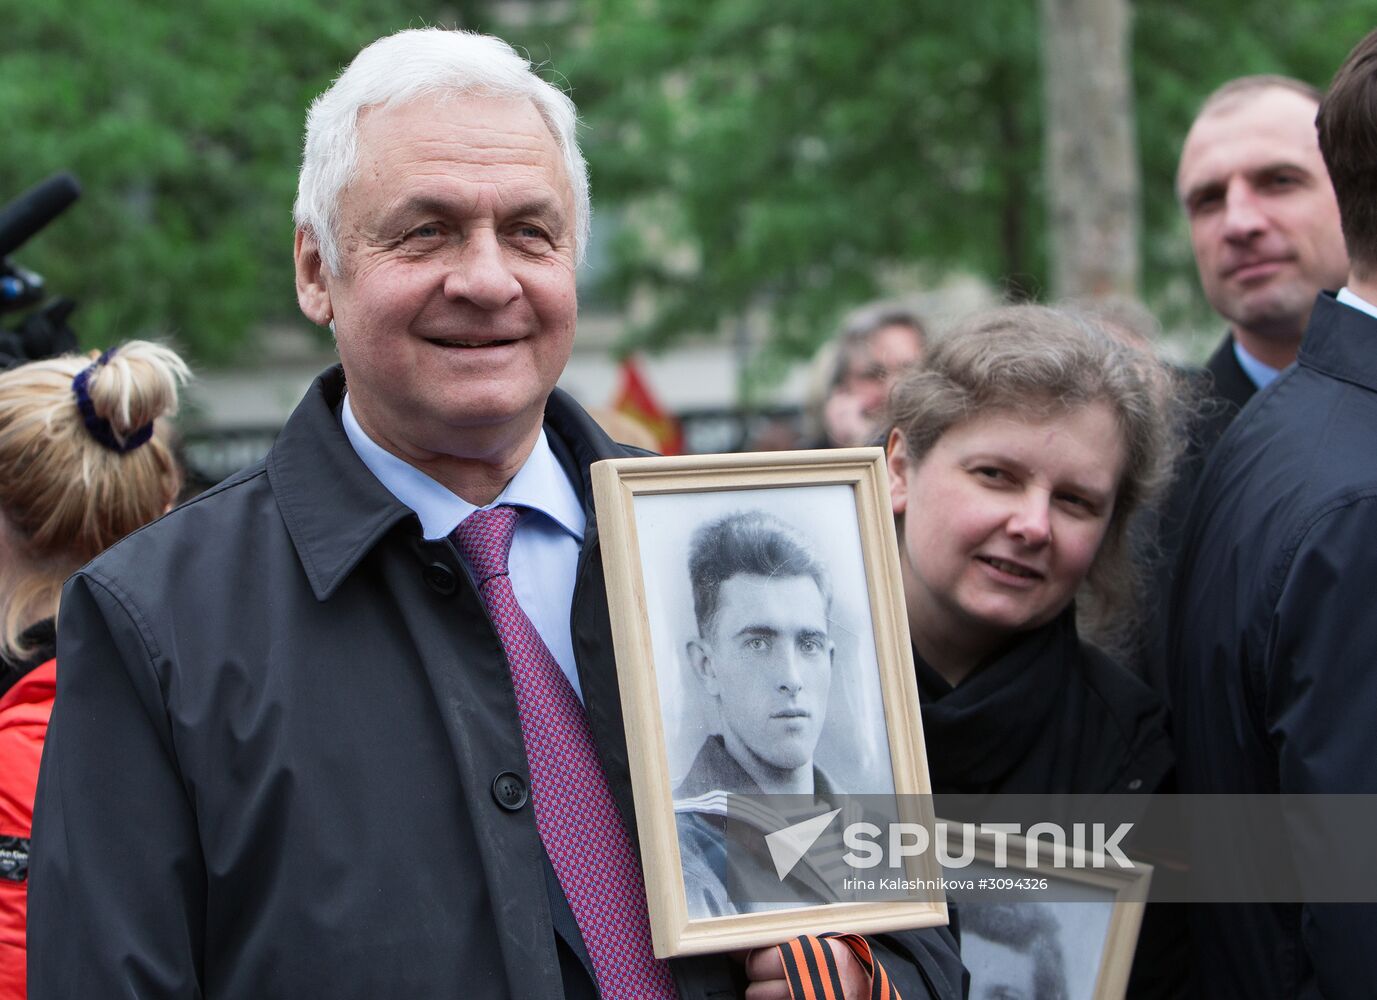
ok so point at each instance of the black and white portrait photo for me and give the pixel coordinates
(1072, 941)
(766, 680)
(758, 599)
(1034, 950)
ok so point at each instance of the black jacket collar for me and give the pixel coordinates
(978, 732)
(1341, 342)
(336, 510)
(1229, 381)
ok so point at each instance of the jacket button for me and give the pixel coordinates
(440, 578)
(1135, 784)
(509, 790)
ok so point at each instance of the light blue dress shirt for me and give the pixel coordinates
(1262, 375)
(545, 550)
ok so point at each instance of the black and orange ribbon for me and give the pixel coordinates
(811, 969)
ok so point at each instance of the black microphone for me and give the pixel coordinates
(34, 209)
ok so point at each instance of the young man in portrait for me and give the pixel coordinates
(763, 656)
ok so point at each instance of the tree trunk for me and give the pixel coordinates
(1092, 157)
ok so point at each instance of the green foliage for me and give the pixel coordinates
(791, 148)
(777, 156)
(183, 123)
(783, 154)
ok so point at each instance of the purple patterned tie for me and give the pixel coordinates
(577, 818)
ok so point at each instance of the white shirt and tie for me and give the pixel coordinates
(545, 551)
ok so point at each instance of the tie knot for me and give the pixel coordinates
(484, 538)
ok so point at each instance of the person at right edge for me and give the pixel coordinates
(86, 457)
(1272, 630)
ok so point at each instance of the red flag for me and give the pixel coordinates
(635, 400)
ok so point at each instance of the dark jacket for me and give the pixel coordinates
(271, 769)
(1051, 714)
(1228, 388)
(1216, 395)
(1272, 642)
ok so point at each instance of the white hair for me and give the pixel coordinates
(406, 66)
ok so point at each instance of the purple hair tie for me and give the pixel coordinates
(98, 426)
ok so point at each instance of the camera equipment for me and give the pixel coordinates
(44, 332)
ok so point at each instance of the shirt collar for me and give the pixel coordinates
(1349, 298)
(540, 484)
(1261, 374)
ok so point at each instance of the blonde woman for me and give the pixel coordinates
(84, 460)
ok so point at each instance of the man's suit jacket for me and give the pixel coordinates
(1228, 389)
(273, 766)
(1218, 393)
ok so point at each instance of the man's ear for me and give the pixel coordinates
(312, 291)
(700, 659)
(897, 452)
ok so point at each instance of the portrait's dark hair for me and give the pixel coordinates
(1347, 124)
(749, 542)
(1041, 361)
(1028, 928)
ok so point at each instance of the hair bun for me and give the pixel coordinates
(135, 386)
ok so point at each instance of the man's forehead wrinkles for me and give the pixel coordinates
(524, 200)
(483, 145)
(443, 157)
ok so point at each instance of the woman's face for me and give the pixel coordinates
(1002, 520)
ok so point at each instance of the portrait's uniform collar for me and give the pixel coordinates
(1340, 342)
(715, 769)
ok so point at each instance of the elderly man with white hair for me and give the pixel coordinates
(348, 725)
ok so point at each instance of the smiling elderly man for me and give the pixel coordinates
(347, 725)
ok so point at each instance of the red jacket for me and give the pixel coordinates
(24, 712)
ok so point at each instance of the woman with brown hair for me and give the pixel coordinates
(84, 460)
(1018, 454)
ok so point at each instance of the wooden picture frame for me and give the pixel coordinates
(1088, 917)
(673, 679)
